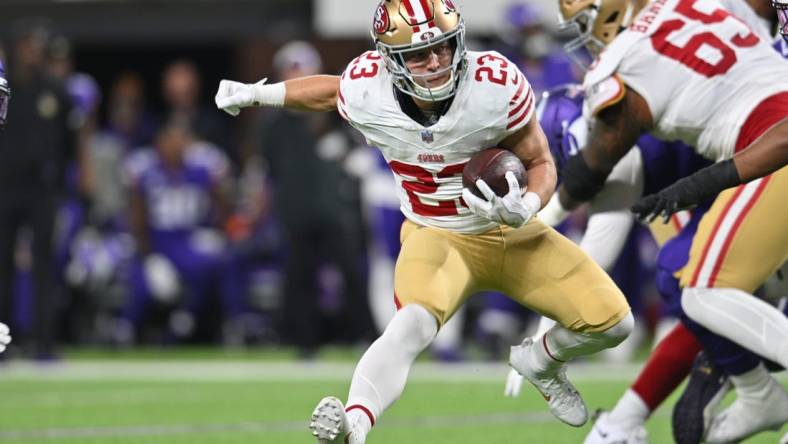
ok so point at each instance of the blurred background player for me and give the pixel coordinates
(528, 42)
(317, 204)
(181, 88)
(37, 150)
(722, 271)
(5, 96)
(177, 210)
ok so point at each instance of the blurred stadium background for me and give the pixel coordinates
(221, 309)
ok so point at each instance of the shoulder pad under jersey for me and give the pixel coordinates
(602, 86)
(500, 89)
(361, 85)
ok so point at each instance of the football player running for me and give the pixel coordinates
(690, 70)
(429, 105)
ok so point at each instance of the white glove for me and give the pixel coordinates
(161, 277)
(5, 337)
(514, 382)
(232, 96)
(513, 209)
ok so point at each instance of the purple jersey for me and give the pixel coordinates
(178, 201)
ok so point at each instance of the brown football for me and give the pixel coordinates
(491, 165)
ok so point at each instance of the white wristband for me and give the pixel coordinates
(532, 202)
(269, 95)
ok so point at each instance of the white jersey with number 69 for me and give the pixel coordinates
(493, 100)
(701, 70)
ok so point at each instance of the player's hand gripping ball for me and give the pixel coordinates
(491, 166)
(492, 189)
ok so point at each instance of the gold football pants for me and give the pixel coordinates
(743, 239)
(534, 265)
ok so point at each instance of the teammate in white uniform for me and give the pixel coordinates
(690, 70)
(429, 106)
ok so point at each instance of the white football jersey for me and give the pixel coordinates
(701, 69)
(493, 100)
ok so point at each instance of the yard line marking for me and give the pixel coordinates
(241, 371)
(454, 421)
(228, 371)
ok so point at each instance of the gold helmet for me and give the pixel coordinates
(401, 27)
(596, 22)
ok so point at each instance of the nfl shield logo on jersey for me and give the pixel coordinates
(427, 136)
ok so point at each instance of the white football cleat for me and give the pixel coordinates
(785, 439)
(329, 423)
(747, 416)
(562, 397)
(607, 432)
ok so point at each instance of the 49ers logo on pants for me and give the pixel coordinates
(381, 22)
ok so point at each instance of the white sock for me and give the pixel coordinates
(740, 317)
(545, 324)
(630, 411)
(382, 372)
(752, 384)
(360, 424)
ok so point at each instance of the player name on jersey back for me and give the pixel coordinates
(701, 70)
(493, 100)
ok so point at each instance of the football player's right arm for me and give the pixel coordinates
(615, 130)
(311, 93)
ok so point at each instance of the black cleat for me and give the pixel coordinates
(692, 414)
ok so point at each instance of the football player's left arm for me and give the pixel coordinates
(530, 145)
(765, 156)
(615, 130)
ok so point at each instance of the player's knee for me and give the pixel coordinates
(692, 301)
(619, 331)
(413, 327)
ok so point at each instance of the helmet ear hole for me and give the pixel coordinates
(612, 18)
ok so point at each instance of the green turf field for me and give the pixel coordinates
(215, 401)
